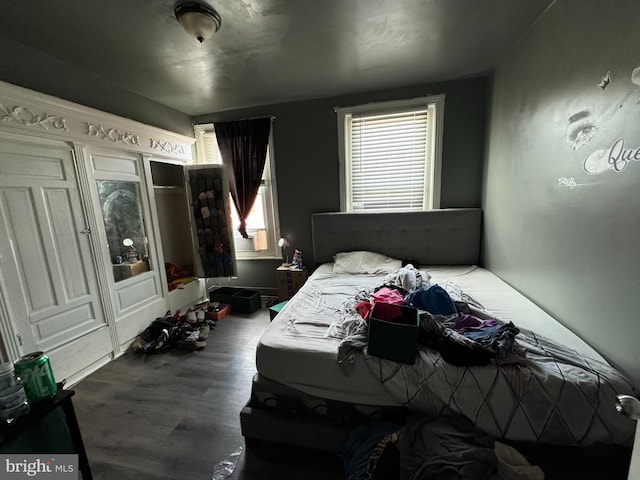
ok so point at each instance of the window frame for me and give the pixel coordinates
(435, 124)
(269, 195)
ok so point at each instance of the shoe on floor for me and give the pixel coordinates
(186, 346)
(192, 336)
(203, 332)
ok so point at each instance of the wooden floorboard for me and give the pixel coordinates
(175, 415)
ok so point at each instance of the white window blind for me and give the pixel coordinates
(389, 161)
(390, 155)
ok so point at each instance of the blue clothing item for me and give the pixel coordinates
(360, 444)
(433, 299)
(497, 338)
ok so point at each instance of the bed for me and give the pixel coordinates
(303, 394)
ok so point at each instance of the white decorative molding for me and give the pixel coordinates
(73, 122)
(112, 134)
(167, 147)
(28, 118)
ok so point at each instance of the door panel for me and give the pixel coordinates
(136, 293)
(47, 266)
(126, 232)
(18, 163)
(26, 248)
(65, 243)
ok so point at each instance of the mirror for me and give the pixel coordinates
(124, 226)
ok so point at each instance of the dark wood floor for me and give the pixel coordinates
(175, 415)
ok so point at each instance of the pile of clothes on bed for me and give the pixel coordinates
(511, 382)
(449, 323)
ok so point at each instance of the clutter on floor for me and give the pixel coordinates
(431, 447)
(184, 331)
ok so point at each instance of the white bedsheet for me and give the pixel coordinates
(295, 351)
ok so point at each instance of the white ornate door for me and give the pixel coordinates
(47, 276)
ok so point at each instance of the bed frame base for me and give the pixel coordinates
(593, 462)
(277, 427)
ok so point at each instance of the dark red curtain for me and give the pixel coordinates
(243, 145)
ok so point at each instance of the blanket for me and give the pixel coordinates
(556, 397)
(552, 395)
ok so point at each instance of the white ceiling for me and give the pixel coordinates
(271, 51)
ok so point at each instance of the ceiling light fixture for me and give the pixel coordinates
(199, 20)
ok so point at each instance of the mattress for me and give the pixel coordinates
(295, 350)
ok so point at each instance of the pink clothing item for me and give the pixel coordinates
(364, 309)
(387, 295)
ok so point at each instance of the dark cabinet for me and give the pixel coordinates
(50, 427)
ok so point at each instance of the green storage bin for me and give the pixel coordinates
(393, 333)
(246, 301)
(223, 294)
(242, 300)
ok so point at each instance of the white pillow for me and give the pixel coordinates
(364, 262)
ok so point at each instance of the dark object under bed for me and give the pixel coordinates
(283, 415)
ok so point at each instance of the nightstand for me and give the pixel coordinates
(289, 281)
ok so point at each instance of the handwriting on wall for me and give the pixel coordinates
(615, 158)
(567, 182)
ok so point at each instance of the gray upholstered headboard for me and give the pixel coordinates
(433, 237)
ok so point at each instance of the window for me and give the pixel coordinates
(262, 222)
(390, 155)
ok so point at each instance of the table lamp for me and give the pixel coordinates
(283, 244)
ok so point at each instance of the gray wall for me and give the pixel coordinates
(306, 158)
(561, 224)
(30, 69)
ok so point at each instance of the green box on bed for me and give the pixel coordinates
(393, 333)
